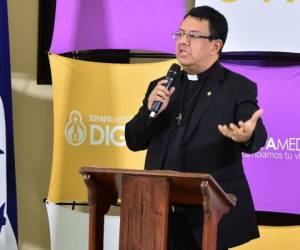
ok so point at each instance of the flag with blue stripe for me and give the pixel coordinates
(8, 203)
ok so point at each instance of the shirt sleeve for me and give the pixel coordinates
(245, 107)
(140, 129)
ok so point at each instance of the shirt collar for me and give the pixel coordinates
(203, 75)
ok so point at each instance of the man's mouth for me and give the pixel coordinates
(183, 51)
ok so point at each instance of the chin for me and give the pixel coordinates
(183, 61)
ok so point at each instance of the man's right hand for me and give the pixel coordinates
(162, 94)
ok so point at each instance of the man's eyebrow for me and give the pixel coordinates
(190, 30)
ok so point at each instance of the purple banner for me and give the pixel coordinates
(117, 24)
(274, 171)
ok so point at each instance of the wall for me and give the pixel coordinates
(32, 114)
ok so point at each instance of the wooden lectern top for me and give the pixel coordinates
(185, 188)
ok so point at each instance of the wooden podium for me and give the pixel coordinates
(146, 198)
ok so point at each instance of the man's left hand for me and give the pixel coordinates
(243, 132)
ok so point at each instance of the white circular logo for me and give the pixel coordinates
(75, 132)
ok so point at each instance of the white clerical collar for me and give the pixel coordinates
(192, 77)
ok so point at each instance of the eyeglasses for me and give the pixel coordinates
(190, 35)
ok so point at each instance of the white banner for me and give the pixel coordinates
(7, 237)
(260, 25)
(69, 229)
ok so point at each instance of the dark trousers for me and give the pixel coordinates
(184, 234)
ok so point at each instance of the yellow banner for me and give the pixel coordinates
(275, 238)
(92, 103)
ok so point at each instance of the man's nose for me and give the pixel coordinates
(184, 39)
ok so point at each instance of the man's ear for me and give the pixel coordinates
(217, 45)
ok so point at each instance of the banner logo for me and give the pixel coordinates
(75, 131)
(279, 148)
(106, 135)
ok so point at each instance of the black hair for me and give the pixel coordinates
(218, 25)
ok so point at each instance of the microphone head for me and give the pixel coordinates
(174, 70)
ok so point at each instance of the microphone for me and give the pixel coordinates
(171, 75)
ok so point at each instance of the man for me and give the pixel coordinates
(207, 119)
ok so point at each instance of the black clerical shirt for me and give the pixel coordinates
(189, 91)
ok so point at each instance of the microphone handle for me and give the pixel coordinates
(157, 104)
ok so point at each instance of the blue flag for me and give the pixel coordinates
(8, 203)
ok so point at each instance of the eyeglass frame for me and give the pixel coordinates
(195, 35)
